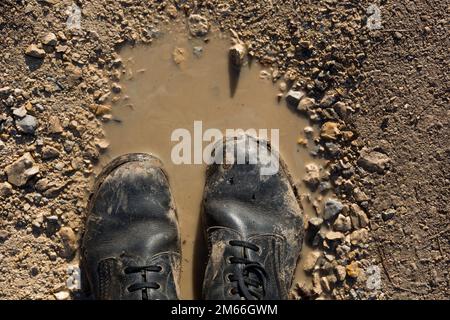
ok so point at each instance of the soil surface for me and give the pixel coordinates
(374, 78)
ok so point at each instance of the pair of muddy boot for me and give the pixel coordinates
(131, 246)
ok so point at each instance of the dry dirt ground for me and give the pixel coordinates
(380, 95)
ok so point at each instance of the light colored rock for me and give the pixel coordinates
(27, 124)
(342, 223)
(198, 25)
(310, 261)
(312, 176)
(21, 170)
(373, 161)
(341, 272)
(334, 236)
(5, 189)
(179, 55)
(293, 97)
(35, 52)
(306, 104)
(359, 237)
(49, 39)
(358, 217)
(237, 55)
(330, 130)
(54, 125)
(69, 240)
(62, 295)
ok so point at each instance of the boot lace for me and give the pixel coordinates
(144, 284)
(251, 278)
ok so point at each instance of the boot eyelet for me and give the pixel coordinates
(228, 277)
(161, 269)
(231, 292)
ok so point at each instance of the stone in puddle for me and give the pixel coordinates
(293, 97)
(311, 260)
(237, 55)
(312, 177)
(20, 171)
(27, 124)
(179, 55)
(331, 209)
(198, 25)
(35, 52)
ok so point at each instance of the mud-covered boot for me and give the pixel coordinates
(131, 246)
(253, 223)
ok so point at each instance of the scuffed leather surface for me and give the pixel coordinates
(241, 204)
(131, 222)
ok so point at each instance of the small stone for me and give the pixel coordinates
(397, 35)
(312, 176)
(2, 145)
(102, 144)
(358, 217)
(198, 25)
(325, 284)
(5, 189)
(50, 39)
(198, 51)
(237, 55)
(179, 55)
(293, 97)
(353, 270)
(341, 272)
(306, 104)
(27, 124)
(282, 86)
(100, 109)
(49, 152)
(334, 236)
(331, 208)
(35, 52)
(20, 112)
(388, 214)
(330, 130)
(3, 235)
(359, 237)
(21, 170)
(69, 240)
(373, 161)
(54, 125)
(62, 295)
(116, 88)
(329, 99)
(310, 261)
(342, 223)
(172, 11)
(308, 130)
(302, 141)
(314, 224)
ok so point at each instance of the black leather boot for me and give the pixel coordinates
(253, 225)
(131, 246)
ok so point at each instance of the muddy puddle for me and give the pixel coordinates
(177, 81)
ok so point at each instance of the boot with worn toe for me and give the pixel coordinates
(131, 246)
(253, 223)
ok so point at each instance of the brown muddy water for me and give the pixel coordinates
(159, 95)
